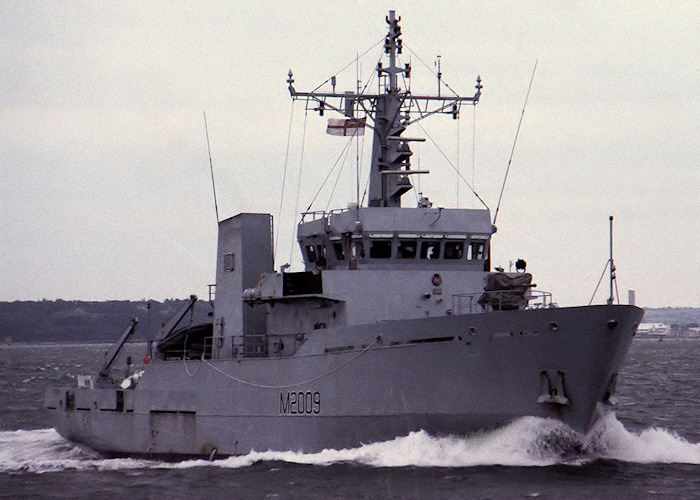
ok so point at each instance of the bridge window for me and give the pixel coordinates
(317, 254)
(476, 251)
(311, 254)
(380, 249)
(407, 249)
(357, 250)
(339, 250)
(454, 249)
(430, 250)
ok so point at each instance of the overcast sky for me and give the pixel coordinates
(105, 190)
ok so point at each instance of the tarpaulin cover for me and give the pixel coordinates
(505, 291)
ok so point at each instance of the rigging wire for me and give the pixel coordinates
(458, 122)
(416, 189)
(211, 169)
(613, 277)
(505, 178)
(344, 151)
(362, 147)
(360, 165)
(364, 193)
(301, 165)
(348, 65)
(599, 281)
(284, 180)
(357, 142)
(340, 171)
(431, 70)
(452, 165)
(617, 294)
(473, 145)
(456, 168)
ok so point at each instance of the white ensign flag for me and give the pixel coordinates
(346, 126)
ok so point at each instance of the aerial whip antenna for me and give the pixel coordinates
(211, 168)
(505, 178)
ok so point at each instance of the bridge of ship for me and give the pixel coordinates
(396, 238)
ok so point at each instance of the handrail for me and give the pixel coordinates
(467, 303)
(253, 346)
(317, 214)
(320, 214)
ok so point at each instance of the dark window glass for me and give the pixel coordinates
(407, 249)
(321, 252)
(476, 251)
(454, 249)
(339, 250)
(430, 250)
(380, 249)
(311, 254)
(358, 250)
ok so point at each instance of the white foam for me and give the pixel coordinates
(610, 439)
(515, 444)
(528, 441)
(44, 450)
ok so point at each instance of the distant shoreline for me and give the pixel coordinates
(65, 343)
(61, 322)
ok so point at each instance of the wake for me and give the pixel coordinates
(528, 441)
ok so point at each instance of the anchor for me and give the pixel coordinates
(552, 394)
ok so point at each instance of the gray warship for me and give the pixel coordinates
(398, 323)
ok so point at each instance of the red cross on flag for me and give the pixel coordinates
(346, 126)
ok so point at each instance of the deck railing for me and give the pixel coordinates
(320, 214)
(468, 303)
(198, 351)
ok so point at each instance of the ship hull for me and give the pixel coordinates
(450, 375)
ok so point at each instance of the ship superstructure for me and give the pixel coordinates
(397, 323)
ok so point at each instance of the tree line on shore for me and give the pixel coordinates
(85, 321)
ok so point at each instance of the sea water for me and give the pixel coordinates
(649, 447)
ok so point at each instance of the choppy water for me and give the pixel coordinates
(649, 448)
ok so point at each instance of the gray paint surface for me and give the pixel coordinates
(367, 344)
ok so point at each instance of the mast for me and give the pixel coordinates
(612, 265)
(391, 110)
(389, 157)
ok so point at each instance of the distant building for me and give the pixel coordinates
(654, 329)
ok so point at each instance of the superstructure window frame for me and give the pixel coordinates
(311, 253)
(430, 249)
(407, 249)
(339, 250)
(476, 250)
(453, 250)
(380, 248)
